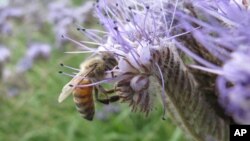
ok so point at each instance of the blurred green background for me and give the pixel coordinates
(33, 113)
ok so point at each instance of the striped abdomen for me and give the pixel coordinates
(84, 100)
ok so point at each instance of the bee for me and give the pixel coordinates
(91, 70)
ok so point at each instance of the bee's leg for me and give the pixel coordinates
(98, 98)
(108, 100)
(111, 99)
(107, 92)
(103, 101)
(114, 98)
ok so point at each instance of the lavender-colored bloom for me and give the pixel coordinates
(83, 12)
(13, 12)
(38, 50)
(236, 98)
(61, 15)
(58, 11)
(7, 13)
(133, 35)
(34, 52)
(5, 28)
(141, 35)
(10, 12)
(23, 65)
(224, 33)
(4, 54)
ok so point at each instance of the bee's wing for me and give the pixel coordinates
(68, 89)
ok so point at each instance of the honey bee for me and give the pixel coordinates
(91, 70)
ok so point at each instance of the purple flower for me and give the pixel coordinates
(83, 13)
(235, 97)
(222, 28)
(137, 34)
(141, 35)
(6, 13)
(24, 64)
(61, 15)
(58, 11)
(4, 54)
(35, 51)
(38, 50)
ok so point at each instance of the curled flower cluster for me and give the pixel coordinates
(138, 37)
(222, 29)
(142, 37)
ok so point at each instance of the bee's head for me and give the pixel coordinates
(109, 60)
(95, 67)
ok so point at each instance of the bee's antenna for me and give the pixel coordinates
(69, 67)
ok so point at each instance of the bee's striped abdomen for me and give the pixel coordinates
(84, 100)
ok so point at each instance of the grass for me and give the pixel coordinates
(35, 114)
